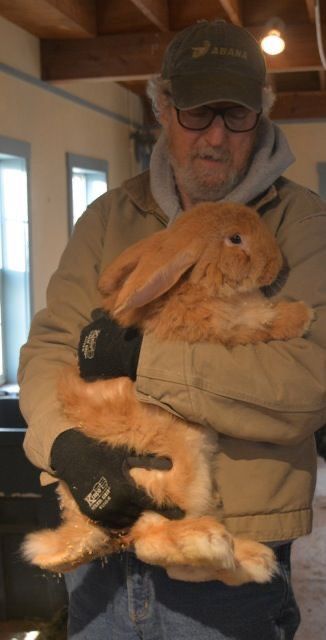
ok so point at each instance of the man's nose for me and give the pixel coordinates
(216, 132)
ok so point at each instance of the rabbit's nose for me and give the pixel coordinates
(269, 271)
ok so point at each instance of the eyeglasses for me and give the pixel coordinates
(237, 119)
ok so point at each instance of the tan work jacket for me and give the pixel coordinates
(265, 400)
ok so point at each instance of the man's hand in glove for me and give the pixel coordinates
(98, 475)
(99, 480)
(107, 350)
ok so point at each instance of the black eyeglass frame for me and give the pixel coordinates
(217, 111)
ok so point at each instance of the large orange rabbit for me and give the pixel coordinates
(198, 280)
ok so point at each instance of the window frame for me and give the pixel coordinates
(88, 163)
(20, 149)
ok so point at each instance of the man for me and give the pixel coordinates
(265, 401)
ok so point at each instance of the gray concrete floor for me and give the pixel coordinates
(309, 568)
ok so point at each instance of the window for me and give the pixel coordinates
(15, 310)
(87, 180)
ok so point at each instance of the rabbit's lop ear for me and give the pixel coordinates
(161, 265)
(116, 273)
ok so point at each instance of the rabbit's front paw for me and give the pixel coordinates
(292, 320)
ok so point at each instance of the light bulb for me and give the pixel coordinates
(273, 43)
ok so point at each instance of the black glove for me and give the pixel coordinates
(107, 350)
(98, 478)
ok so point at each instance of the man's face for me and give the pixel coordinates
(207, 164)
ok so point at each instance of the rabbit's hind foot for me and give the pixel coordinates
(61, 550)
(255, 562)
(191, 541)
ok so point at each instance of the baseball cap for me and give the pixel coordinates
(213, 62)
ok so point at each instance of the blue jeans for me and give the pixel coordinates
(125, 599)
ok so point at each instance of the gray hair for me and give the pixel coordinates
(159, 91)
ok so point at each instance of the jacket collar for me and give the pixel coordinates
(264, 198)
(139, 192)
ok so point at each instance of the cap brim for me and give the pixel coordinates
(194, 90)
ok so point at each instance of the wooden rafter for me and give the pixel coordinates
(117, 57)
(310, 4)
(233, 10)
(322, 80)
(156, 11)
(45, 18)
(128, 56)
(299, 105)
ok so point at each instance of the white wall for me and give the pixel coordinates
(53, 125)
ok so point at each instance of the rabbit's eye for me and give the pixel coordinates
(236, 239)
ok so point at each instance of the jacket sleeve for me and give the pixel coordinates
(273, 392)
(71, 296)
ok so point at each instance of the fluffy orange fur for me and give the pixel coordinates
(198, 280)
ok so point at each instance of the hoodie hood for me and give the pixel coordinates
(272, 156)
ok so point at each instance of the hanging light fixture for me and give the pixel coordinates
(273, 41)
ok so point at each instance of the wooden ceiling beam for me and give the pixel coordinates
(114, 57)
(48, 18)
(156, 11)
(233, 10)
(310, 4)
(299, 105)
(322, 80)
(132, 55)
